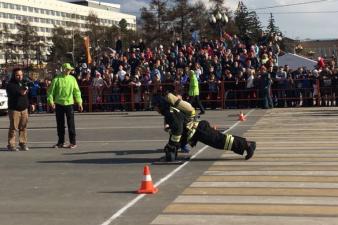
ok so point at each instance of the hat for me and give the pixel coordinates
(67, 66)
(191, 73)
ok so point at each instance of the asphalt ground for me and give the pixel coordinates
(95, 183)
(90, 184)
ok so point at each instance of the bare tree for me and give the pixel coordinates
(25, 39)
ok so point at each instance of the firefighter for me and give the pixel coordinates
(183, 129)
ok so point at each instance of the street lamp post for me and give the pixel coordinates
(219, 20)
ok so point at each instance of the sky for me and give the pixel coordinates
(297, 25)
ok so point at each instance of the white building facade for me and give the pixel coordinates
(44, 15)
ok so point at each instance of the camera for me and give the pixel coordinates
(26, 83)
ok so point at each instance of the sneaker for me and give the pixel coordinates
(251, 149)
(12, 148)
(71, 146)
(59, 145)
(23, 147)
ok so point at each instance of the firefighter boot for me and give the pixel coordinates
(250, 150)
(170, 153)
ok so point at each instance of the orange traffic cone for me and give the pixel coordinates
(147, 186)
(241, 117)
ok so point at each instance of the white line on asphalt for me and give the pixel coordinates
(286, 200)
(158, 183)
(194, 219)
(265, 184)
(271, 173)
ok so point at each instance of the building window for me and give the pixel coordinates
(52, 13)
(18, 17)
(42, 29)
(30, 9)
(57, 13)
(5, 15)
(12, 16)
(11, 6)
(18, 7)
(63, 14)
(12, 26)
(42, 11)
(36, 19)
(24, 8)
(36, 10)
(5, 5)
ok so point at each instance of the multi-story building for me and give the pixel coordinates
(320, 48)
(44, 15)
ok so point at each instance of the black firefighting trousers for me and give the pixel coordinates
(214, 138)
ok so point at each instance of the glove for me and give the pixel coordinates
(166, 128)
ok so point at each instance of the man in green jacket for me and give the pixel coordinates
(194, 93)
(60, 96)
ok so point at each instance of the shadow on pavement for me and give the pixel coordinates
(121, 152)
(104, 161)
(216, 159)
(136, 160)
(117, 192)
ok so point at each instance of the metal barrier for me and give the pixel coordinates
(132, 98)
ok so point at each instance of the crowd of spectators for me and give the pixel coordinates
(231, 74)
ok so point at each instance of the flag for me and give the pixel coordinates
(86, 45)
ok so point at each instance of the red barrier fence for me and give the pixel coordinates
(132, 98)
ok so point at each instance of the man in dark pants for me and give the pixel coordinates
(266, 83)
(183, 130)
(17, 110)
(194, 92)
(60, 96)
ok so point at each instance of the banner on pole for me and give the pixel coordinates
(87, 49)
